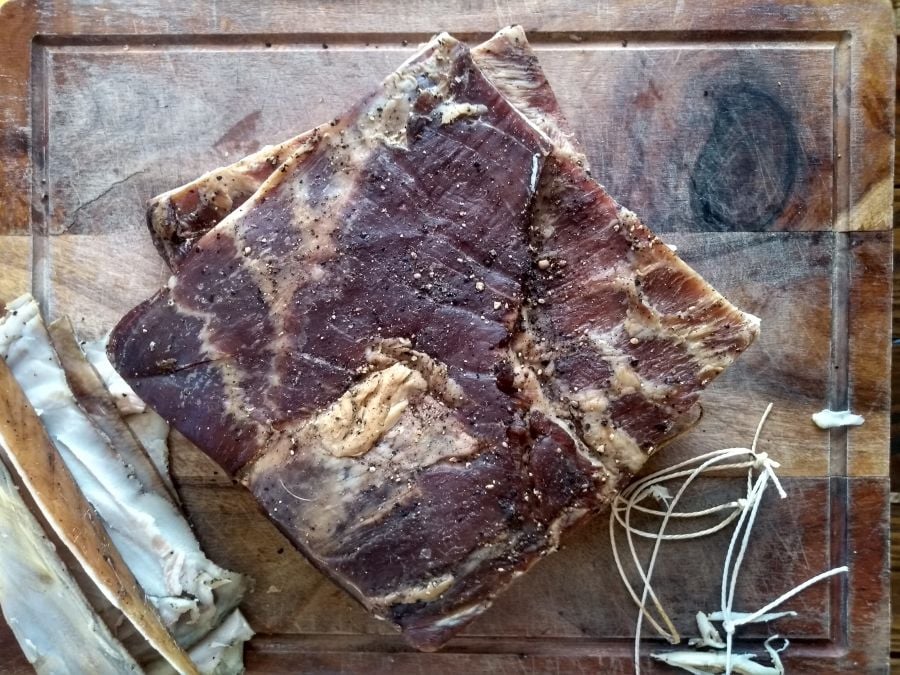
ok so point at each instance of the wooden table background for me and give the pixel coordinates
(895, 402)
(80, 210)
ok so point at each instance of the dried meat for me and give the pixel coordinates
(177, 219)
(428, 342)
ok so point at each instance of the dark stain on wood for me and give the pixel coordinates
(240, 137)
(746, 172)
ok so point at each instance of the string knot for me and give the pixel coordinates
(761, 460)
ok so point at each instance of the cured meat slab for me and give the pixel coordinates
(430, 342)
(165, 106)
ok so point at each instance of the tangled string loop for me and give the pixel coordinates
(760, 473)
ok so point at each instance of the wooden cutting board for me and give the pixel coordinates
(756, 137)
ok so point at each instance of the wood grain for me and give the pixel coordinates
(895, 402)
(18, 25)
(703, 120)
(895, 577)
(792, 141)
(869, 317)
(15, 263)
(895, 370)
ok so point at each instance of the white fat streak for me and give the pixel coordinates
(461, 616)
(236, 405)
(153, 537)
(693, 338)
(408, 447)
(352, 141)
(535, 171)
(221, 652)
(564, 522)
(833, 419)
(515, 81)
(153, 433)
(237, 172)
(613, 442)
(615, 445)
(47, 612)
(149, 427)
(452, 111)
(123, 395)
(587, 443)
(642, 323)
(386, 352)
(366, 411)
(425, 592)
